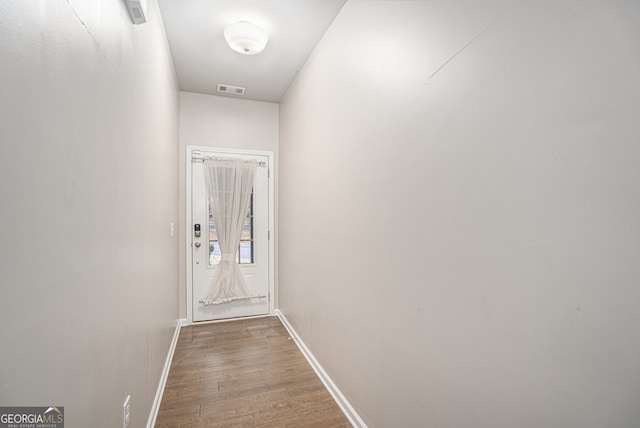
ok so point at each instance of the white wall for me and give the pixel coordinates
(459, 205)
(88, 188)
(228, 123)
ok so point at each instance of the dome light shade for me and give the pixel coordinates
(246, 38)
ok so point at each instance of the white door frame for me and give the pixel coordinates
(189, 235)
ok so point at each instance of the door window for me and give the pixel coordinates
(245, 253)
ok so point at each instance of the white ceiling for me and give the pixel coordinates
(203, 59)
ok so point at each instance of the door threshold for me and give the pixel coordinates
(231, 319)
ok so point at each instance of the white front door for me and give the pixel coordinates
(252, 256)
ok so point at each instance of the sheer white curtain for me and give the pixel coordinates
(229, 184)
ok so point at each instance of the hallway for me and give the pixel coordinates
(244, 373)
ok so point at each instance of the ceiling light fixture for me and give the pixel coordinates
(246, 38)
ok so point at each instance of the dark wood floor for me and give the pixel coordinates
(245, 373)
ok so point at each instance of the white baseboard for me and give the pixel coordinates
(155, 407)
(340, 399)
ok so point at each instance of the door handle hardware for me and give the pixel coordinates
(197, 244)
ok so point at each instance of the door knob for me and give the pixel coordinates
(198, 245)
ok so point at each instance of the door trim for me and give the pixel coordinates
(187, 226)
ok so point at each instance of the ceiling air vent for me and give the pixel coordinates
(228, 89)
(136, 12)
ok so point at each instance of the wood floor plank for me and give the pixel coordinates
(245, 373)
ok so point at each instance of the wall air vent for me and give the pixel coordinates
(228, 89)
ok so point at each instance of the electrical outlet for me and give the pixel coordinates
(126, 412)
